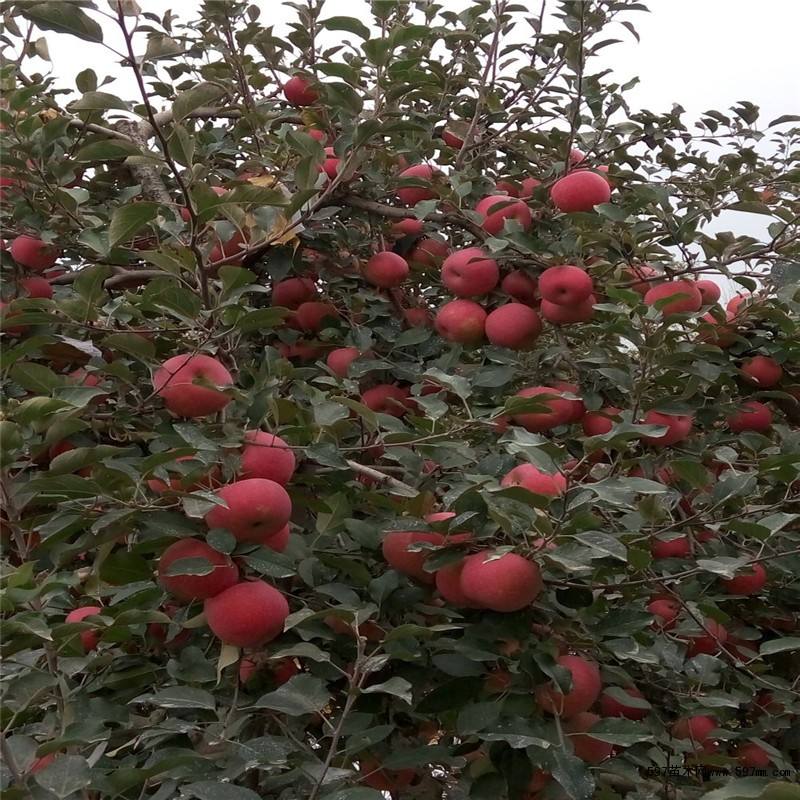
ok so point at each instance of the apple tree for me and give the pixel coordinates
(388, 413)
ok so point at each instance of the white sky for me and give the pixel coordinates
(703, 54)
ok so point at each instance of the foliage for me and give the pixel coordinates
(375, 674)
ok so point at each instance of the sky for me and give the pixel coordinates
(703, 54)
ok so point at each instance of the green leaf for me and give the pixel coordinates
(743, 789)
(349, 24)
(98, 101)
(303, 694)
(605, 544)
(35, 377)
(621, 732)
(62, 17)
(779, 646)
(183, 697)
(127, 220)
(109, 150)
(217, 790)
(65, 776)
(398, 687)
(201, 95)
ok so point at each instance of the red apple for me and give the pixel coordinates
(411, 195)
(184, 382)
(497, 208)
(89, 639)
(417, 317)
(709, 291)
(698, 730)
(37, 288)
(709, 642)
(677, 547)
(513, 325)
(448, 584)
(452, 140)
(508, 583)
(462, 321)
(330, 166)
(611, 707)
(559, 409)
(386, 270)
(407, 227)
(752, 754)
(33, 253)
(679, 427)
(293, 292)
(256, 509)
(247, 614)
(340, 359)
(265, 455)
(666, 610)
(534, 480)
(585, 689)
(220, 571)
(565, 285)
(580, 191)
(587, 748)
(751, 416)
(644, 276)
(398, 556)
(685, 296)
(312, 316)
(428, 252)
(182, 483)
(520, 286)
(597, 423)
(761, 371)
(470, 272)
(387, 398)
(384, 780)
(750, 581)
(568, 315)
(299, 92)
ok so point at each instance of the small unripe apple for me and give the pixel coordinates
(256, 509)
(411, 195)
(461, 321)
(534, 480)
(470, 272)
(184, 383)
(265, 455)
(761, 371)
(679, 427)
(398, 556)
(513, 325)
(293, 292)
(750, 580)
(687, 297)
(299, 92)
(386, 270)
(568, 315)
(565, 285)
(247, 614)
(520, 286)
(585, 689)
(221, 574)
(340, 359)
(387, 398)
(33, 253)
(496, 209)
(89, 639)
(709, 291)
(508, 583)
(580, 191)
(751, 416)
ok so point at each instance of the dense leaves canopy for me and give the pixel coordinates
(252, 248)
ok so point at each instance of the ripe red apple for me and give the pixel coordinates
(340, 359)
(560, 409)
(223, 572)
(411, 195)
(448, 584)
(398, 556)
(45, 761)
(761, 371)
(277, 541)
(265, 455)
(299, 92)
(452, 140)
(678, 547)
(330, 166)
(508, 583)
(709, 291)
(181, 483)
(576, 156)
(247, 614)
(520, 286)
(89, 639)
(749, 581)
(698, 729)
(37, 287)
(33, 253)
(565, 285)
(716, 333)
(311, 316)
(611, 707)
(293, 292)
(386, 269)
(568, 315)
(752, 754)
(407, 227)
(540, 780)
(577, 408)
(528, 187)
(7, 321)
(497, 208)
(507, 185)
(751, 416)
(513, 325)
(498, 681)
(317, 134)
(708, 642)
(183, 382)
(597, 423)
(666, 610)
(231, 251)
(417, 317)
(739, 303)
(586, 747)
(428, 252)
(462, 321)
(580, 191)
(387, 398)
(585, 689)
(470, 272)
(687, 297)
(679, 427)
(256, 509)
(534, 480)
(303, 351)
(644, 276)
(384, 780)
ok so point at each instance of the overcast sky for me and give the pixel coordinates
(703, 54)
